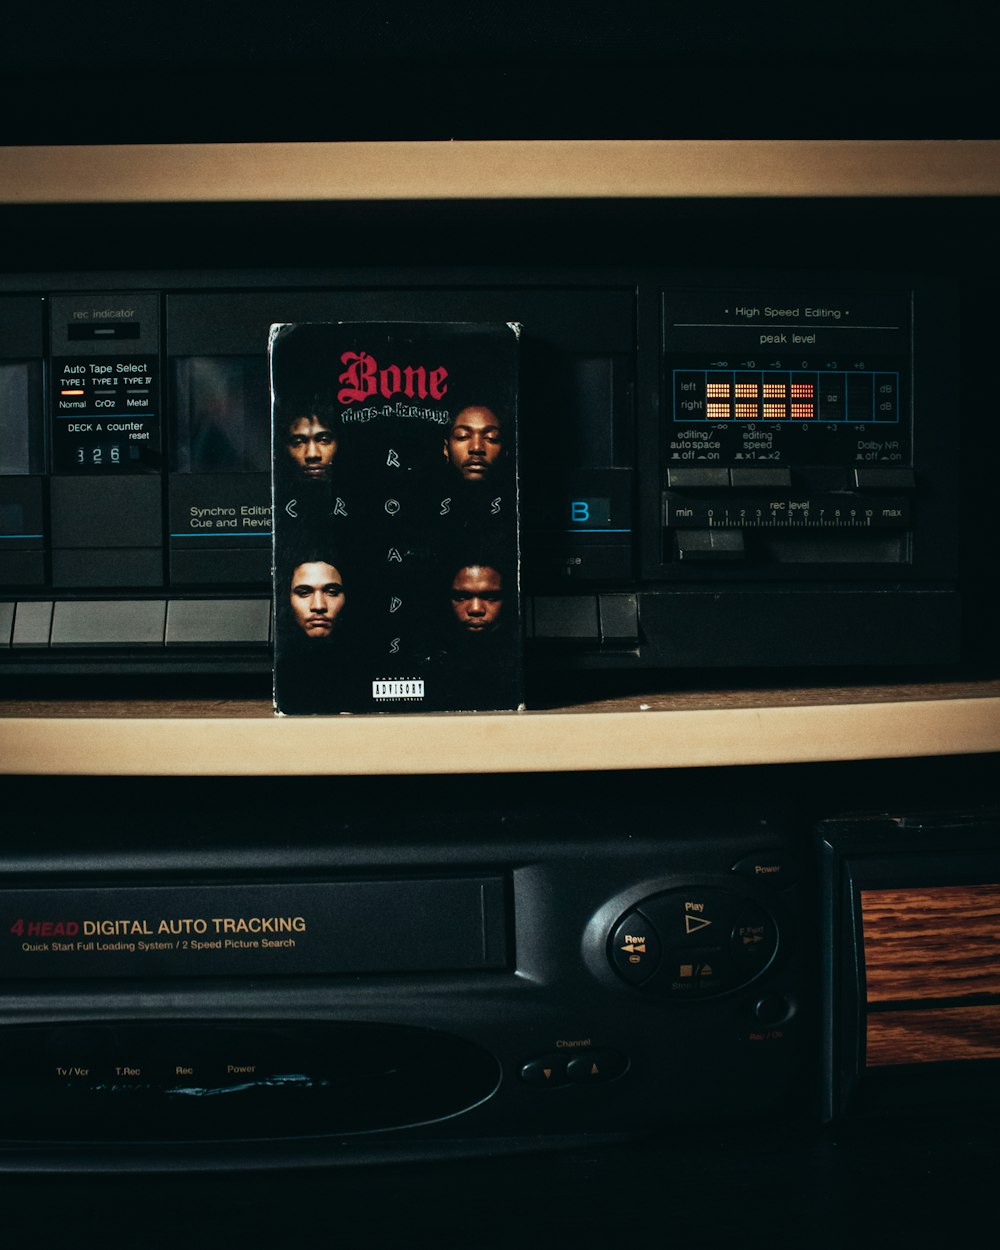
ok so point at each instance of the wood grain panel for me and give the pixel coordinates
(933, 1036)
(931, 942)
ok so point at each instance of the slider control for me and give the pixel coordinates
(713, 545)
(696, 477)
(885, 479)
(777, 477)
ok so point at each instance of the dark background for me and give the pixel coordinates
(441, 69)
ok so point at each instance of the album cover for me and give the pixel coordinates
(396, 543)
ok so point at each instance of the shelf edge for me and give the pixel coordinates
(496, 169)
(510, 743)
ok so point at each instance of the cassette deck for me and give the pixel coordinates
(720, 468)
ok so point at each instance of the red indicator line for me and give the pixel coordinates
(71, 392)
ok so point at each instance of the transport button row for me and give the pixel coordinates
(693, 943)
(608, 618)
(135, 622)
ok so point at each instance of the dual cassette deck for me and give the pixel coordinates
(719, 468)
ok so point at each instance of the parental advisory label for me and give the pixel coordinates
(398, 688)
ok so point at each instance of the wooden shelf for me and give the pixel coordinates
(690, 729)
(677, 730)
(492, 170)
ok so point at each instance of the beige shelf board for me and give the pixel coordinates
(497, 169)
(249, 742)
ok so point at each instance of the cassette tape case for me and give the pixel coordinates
(395, 503)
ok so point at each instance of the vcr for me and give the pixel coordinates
(383, 997)
(291, 981)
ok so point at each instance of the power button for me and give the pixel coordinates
(635, 948)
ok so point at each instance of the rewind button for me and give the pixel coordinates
(635, 948)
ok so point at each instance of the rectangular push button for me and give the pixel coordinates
(122, 512)
(566, 617)
(32, 623)
(109, 623)
(193, 621)
(619, 618)
(6, 623)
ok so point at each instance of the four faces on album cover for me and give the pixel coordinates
(472, 450)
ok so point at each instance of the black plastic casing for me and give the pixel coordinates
(554, 996)
(608, 586)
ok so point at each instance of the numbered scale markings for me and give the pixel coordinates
(827, 512)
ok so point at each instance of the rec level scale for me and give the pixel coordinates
(821, 511)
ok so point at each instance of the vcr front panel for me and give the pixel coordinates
(163, 1008)
(332, 971)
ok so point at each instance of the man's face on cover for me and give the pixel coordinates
(317, 598)
(474, 443)
(476, 598)
(312, 445)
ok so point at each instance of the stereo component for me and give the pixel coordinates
(158, 1003)
(700, 448)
